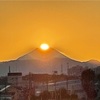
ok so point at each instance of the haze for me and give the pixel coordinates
(73, 27)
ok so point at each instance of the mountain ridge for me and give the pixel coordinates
(38, 61)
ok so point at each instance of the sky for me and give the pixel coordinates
(72, 27)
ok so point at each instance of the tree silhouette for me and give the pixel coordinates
(87, 79)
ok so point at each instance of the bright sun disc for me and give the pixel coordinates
(44, 46)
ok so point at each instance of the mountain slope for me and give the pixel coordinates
(39, 61)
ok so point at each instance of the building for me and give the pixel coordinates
(15, 78)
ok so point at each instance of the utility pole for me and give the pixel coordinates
(55, 73)
(47, 83)
(30, 85)
(67, 76)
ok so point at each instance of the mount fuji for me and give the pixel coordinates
(39, 61)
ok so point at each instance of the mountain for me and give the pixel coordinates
(93, 62)
(39, 54)
(39, 61)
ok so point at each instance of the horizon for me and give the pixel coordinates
(29, 52)
(40, 61)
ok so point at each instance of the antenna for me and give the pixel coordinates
(67, 68)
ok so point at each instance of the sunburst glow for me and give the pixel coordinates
(44, 46)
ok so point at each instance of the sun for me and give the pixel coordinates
(44, 46)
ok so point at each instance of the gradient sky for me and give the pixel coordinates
(73, 27)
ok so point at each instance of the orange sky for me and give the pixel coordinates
(73, 27)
